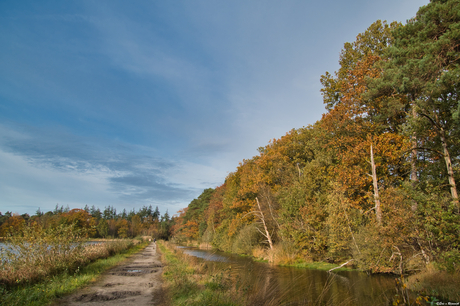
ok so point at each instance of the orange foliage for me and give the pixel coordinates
(12, 225)
(80, 217)
(214, 214)
(352, 130)
(190, 229)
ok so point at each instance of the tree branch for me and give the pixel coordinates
(340, 265)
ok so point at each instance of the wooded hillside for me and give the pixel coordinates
(375, 179)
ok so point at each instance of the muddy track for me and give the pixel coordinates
(134, 282)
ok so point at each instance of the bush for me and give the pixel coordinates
(246, 240)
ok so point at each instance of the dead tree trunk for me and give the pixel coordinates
(378, 211)
(450, 171)
(413, 161)
(262, 218)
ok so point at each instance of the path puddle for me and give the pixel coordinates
(97, 297)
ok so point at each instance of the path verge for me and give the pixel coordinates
(136, 281)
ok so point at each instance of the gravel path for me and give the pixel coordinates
(135, 282)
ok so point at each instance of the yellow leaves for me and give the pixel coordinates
(234, 225)
(190, 229)
(12, 225)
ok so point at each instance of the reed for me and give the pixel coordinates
(433, 282)
(52, 288)
(36, 254)
(260, 253)
(283, 254)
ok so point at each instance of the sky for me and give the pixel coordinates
(138, 103)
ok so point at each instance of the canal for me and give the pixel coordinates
(300, 286)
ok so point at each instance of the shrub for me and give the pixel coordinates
(246, 240)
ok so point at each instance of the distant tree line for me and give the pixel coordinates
(94, 222)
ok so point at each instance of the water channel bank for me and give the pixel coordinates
(246, 282)
(300, 285)
(429, 285)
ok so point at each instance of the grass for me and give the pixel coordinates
(53, 287)
(285, 256)
(435, 283)
(318, 266)
(192, 283)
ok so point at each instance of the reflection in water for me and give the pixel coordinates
(299, 286)
(206, 255)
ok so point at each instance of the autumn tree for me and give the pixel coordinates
(302, 212)
(135, 227)
(103, 228)
(13, 224)
(369, 177)
(213, 214)
(354, 124)
(122, 228)
(79, 217)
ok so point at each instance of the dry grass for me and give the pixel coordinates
(46, 292)
(282, 254)
(37, 254)
(260, 253)
(205, 246)
(433, 282)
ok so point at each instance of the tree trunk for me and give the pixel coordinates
(450, 171)
(445, 152)
(378, 211)
(265, 226)
(413, 157)
(413, 160)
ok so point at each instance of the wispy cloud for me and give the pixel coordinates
(128, 173)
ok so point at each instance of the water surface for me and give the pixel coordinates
(300, 286)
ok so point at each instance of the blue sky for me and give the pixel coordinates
(133, 103)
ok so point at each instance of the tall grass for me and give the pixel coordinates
(436, 283)
(53, 287)
(189, 282)
(36, 254)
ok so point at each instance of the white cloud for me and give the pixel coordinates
(24, 185)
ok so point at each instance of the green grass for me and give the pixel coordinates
(260, 260)
(318, 266)
(189, 284)
(45, 292)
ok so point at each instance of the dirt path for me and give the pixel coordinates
(135, 282)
